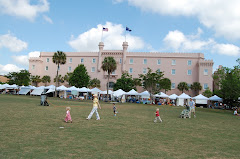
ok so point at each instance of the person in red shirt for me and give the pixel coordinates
(157, 116)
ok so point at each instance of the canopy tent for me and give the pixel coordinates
(24, 90)
(95, 90)
(14, 86)
(84, 89)
(200, 99)
(144, 94)
(162, 95)
(105, 92)
(180, 99)
(132, 92)
(50, 88)
(61, 88)
(118, 93)
(173, 96)
(38, 91)
(215, 98)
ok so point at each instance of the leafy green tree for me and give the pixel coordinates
(67, 76)
(183, 86)
(165, 84)
(109, 65)
(46, 79)
(19, 78)
(59, 58)
(95, 83)
(150, 81)
(36, 79)
(79, 77)
(196, 86)
(208, 93)
(137, 82)
(125, 83)
(59, 78)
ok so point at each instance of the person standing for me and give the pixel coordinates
(68, 115)
(96, 105)
(192, 107)
(157, 116)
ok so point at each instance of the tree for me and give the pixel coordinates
(67, 76)
(46, 79)
(19, 78)
(109, 65)
(150, 81)
(196, 86)
(36, 79)
(59, 58)
(207, 93)
(183, 86)
(125, 83)
(60, 79)
(79, 78)
(95, 83)
(165, 84)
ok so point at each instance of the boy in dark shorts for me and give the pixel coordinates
(114, 109)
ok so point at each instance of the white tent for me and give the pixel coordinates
(200, 99)
(95, 90)
(84, 89)
(50, 88)
(105, 92)
(181, 98)
(118, 93)
(61, 88)
(162, 95)
(173, 96)
(24, 90)
(38, 91)
(144, 94)
(215, 98)
(14, 86)
(132, 92)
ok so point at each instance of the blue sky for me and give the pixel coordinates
(30, 26)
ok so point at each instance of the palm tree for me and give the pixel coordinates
(183, 86)
(36, 79)
(59, 58)
(46, 79)
(196, 86)
(95, 83)
(109, 65)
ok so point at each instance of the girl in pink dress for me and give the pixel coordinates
(68, 115)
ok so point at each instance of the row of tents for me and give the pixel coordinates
(65, 91)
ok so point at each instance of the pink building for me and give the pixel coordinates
(178, 67)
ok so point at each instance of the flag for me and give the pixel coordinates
(105, 29)
(127, 29)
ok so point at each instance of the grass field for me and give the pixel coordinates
(28, 130)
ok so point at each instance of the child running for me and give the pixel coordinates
(157, 116)
(114, 109)
(68, 115)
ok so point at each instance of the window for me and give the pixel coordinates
(46, 68)
(93, 69)
(205, 86)
(173, 86)
(69, 68)
(144, 70)
(70, 60)
(159, 62)
(189, 62)
(130, 70)
(47, 59)
(158, 70)
(173, 71)
(205, 72)
(111, 84)
(93, 60)
(144, 61)
(131, 61)
(189, 72)
(173, 62)
(114, 72)
(82, 60)
(33, 67)
(120, 61)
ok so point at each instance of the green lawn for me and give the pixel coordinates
(28, 130)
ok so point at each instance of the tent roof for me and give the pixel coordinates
(84, 89)
(105, 92)
(215, 98)
(200, 97)
(118, 93)
(173, 96)
(132, 92)
(145, 93)
(62, 88)
(184, 96)
(162, 95)
(95, 90)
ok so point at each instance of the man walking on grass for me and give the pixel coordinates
(192, 107)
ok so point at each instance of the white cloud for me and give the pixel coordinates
(177, 41)
(12, 43)
(221, 15)
(24, 59)
(5, 69)
(23, 8)
(47, 19)
(113, 39)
